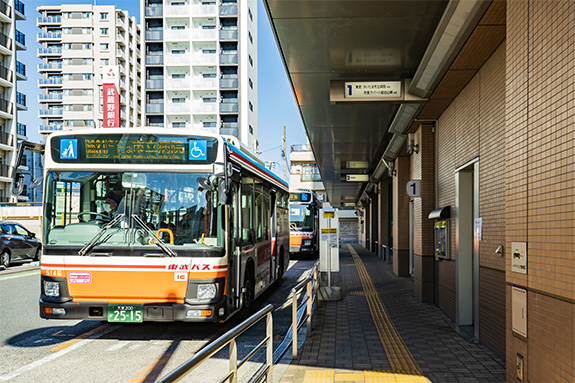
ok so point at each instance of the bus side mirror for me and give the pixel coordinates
(225, 191)
(17, 183)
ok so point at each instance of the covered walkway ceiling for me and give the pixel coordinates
(433, 47)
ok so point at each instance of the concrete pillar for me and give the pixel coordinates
(383, 234)
(374, 223)
(401, 218)
(423, 168)
(367, 224)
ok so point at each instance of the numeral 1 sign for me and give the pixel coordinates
(414, 188)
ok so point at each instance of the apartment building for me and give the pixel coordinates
(201, 66)
(77, 42)
(11, 101)
(304, 173)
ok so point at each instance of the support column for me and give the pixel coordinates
(401, 218)
(383, 234)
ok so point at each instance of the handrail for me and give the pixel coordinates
(230, 338)
(312, 285)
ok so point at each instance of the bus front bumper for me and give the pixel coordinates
(163, 312)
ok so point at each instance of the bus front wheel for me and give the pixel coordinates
(248, 295)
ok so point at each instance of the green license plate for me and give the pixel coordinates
(125, 313)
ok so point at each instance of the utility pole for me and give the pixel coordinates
(284, 155)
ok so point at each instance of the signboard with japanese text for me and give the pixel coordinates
(111, 96)
(373, 89)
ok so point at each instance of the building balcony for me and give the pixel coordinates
(228, 10)
(178, 108)
(20, 10)
(6, 10)
(21, 101)
(49, 67)
(229, 107)
(177, 11)
(154, 35)
(5, 106)
(230, 131)
(177, 34)
(50, 97)
(155, 84)
(50, 128)
(49, 20)
(205, 107)
(21, 129)
(49, 36)
(50, 82)
(157, 59)
(228, 58)
(156, 11)
(204, 10)
(179, 59)
(229, 83)
(20, 70)
(155, 108)
(5, 73)
(204, 83)
(228, 34)
(4, 140)
(20, 39)
(5, 41)
(51, 112)
(50, 51)
(204, 34)
(207, 59)
(177, 83)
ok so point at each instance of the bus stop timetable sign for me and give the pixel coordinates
(373, 89)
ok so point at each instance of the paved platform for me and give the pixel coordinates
(380, 332)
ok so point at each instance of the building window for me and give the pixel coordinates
(209, 124)
(178, 75)
(251, 60)
(87, 45)
(178, 27)
(251, 106)
(104, 46)
(178, 52)
(251, 83)
(209, 99)
(209, 51)
(251, 129)
(209, 75)
(104, 31)
(178, 124)
(179, 100)
(104, 16)
(208, 27)
(250, 14)
(105, 61)
(250, 37)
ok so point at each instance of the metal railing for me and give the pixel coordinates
(311, 283)
(230, 338)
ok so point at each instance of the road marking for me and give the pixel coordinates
(81, 341)
(19, 275)
(117, 346)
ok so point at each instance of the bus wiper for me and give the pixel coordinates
(160, 243)
(90, 245)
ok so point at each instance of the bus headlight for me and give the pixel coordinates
(52, 289)
(207, 291)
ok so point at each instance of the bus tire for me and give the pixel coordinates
(248, 294)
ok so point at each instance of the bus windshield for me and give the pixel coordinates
(126, 209)
(301, 217)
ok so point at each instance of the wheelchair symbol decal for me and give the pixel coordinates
(69, 149)
(198, 151)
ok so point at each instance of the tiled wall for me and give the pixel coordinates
(473, 127)
(540, 98)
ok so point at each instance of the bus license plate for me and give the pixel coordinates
(125, 313)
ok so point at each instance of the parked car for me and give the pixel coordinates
(17, 243)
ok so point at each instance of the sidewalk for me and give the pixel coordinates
(380, 332)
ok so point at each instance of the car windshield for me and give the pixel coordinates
(131, 209)
(301, 217)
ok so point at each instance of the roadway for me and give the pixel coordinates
(38, 350)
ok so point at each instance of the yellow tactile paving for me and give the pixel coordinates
(329, 376)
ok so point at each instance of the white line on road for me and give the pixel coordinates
(19, 275)
(117, 346)
(51, 357)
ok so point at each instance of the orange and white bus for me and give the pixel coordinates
(200, 228)
(304, 224)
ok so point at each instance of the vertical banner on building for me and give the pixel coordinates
(111, 95)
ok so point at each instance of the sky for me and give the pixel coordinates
(276, 103)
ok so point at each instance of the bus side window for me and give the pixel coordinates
(247, 208)
(266, 214)
(259, 211)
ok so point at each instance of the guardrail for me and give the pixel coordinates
(301, 313)
(230, 338)
(311, 283)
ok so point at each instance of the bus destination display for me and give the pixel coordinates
(134, 149)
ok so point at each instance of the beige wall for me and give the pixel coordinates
(540, 98)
